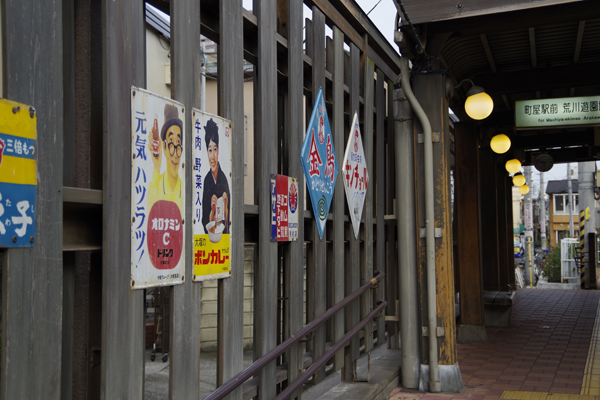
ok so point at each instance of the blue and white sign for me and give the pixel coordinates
(319, 162)
(18, 175)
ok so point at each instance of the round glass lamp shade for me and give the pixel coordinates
(518, 180)
(479, 106)
(500, 143)
(524, 189)
(513, 166)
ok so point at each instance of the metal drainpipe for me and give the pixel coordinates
(434, 381)
(407, 246)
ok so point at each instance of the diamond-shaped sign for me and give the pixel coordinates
(319, 162)
(355, 175)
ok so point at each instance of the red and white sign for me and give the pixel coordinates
(284, 208)
(355, 175)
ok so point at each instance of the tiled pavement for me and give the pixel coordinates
(545, 350)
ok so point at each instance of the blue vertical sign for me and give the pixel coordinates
(319, 162)
(18, 174)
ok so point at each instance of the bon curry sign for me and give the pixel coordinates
(18, 174)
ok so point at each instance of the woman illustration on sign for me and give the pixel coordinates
(215, 199)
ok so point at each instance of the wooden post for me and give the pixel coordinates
(488, 204)
(380, 181)
(32, 279)
(504, 202)
(318, 254)
(366, 270)
(352, 275)
(337, 285)
(231, 106)
(266, 139)
(294, 253)
(392, 270)
(430, 91)
(472, 327)
(122, 308)
(186, 299)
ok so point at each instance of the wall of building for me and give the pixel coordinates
(560, 222)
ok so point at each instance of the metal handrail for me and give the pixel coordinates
(329, 353)
(259, 364)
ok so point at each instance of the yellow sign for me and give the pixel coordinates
(18, 174)
(212, 255)
(587, 213)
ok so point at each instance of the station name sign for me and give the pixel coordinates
(566, 111)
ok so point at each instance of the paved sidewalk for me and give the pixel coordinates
(542, 354)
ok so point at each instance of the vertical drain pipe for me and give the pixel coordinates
(407, 245)
(434, 381)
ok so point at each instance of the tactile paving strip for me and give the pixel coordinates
(591, 374)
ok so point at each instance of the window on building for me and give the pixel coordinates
(561, 204)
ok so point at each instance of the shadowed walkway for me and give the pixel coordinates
(545, 350)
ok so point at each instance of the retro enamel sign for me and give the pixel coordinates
(319, 162)
(212, 197)
(157, 190)
(355, 175)
(284, 208)
(18, 174)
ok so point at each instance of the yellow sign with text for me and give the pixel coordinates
(212, 258)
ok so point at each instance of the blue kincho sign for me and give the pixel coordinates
(319, 162)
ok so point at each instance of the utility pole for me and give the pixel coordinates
(542, 203)
(570, 201)
(528, 228)
(587, 204)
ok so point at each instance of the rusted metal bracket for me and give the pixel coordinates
(395, 318)
(441, 332)
(437, 233)
(435, 137)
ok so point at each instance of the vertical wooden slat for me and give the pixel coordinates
(366, 270)
(266, 139)
(186, 299)
(419, 186)
(352, 275)
(510, 269)
(466, 193)
(69, 51)
(380, 194)
(231, 106)
(339, 196)
(504, 202)
(392, 271)
(319, 252)
(488, 235)
(32, 279)
(429, 90)
(294, 253)
(68, 32)
(123, 42)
